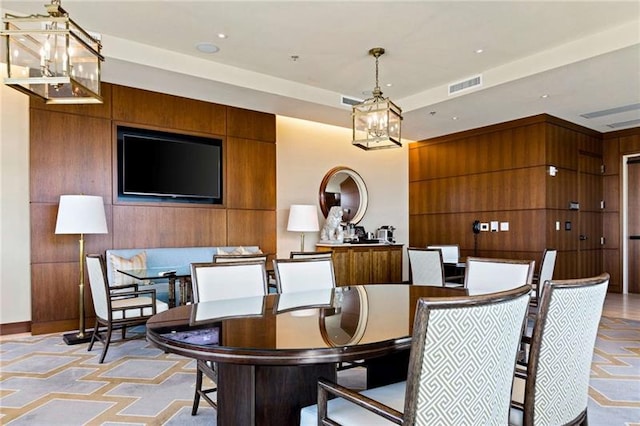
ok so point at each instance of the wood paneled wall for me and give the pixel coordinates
(73, 151)
(500, 173)
(616, 145)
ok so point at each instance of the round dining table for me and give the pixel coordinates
(270, 350)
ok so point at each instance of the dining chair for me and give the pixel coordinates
(485, 275)
(553, 386)
(547, 267)
(303, 274)
(450, 258)
(310, 254)
(461, 366)
(212, 281)
(117, 307)
(425, 266)
(226, 258)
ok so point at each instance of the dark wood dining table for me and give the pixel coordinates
(271, 350)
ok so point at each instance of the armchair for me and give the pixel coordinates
(116, 307)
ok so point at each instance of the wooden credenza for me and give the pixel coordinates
(365, 263)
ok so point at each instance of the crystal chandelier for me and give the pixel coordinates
(376, 121)
(52, 58)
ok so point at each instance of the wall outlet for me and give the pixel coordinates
(484, 226)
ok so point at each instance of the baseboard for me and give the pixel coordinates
(15, 328)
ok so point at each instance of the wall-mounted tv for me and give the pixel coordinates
(163, 166)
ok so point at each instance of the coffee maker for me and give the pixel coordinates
(385, 234)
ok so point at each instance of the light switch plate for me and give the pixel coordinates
(504, 226)
(494, 226)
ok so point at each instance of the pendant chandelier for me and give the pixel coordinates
(52, 58)
(377, 120)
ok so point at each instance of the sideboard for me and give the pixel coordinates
(365, 263)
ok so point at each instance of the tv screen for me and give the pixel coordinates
(166, 166)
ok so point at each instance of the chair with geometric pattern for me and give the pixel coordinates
(553, 388)
(461, 366)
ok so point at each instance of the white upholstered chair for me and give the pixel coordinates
(553, 387)
(425, 266)
(487, 275)
(461, 367)
(450, 252)
(117, 307)
(223, 281)
(547, 267)
(310, 254)
(303, 274)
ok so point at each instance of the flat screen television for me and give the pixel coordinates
(163, 166)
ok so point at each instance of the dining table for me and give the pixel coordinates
(270, 350)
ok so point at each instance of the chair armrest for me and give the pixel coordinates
(123, 286)
(326, 387)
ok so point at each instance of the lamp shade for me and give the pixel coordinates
(303, 218)
(81, 214)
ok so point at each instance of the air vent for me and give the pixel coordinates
(347, 101)
(467, 84)
(624, 124)
(611, 111)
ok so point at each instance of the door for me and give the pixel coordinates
(590, 184)
(633, 224)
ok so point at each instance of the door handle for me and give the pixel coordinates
(583, 237)
(634, 237)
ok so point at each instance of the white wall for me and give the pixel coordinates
(15, 256)
(307, 150)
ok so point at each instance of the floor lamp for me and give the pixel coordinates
(80, 214)
(303, 218)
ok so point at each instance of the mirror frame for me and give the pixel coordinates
(362, 189)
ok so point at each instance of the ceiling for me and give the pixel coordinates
(298, 58)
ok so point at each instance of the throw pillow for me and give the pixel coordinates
(237, 250)
(139, 261)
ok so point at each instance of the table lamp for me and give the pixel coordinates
(80, 214)
(303, 218)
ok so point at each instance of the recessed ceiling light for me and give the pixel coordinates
(222, 35)
(454, 118)
(545, 96)
(479, 50)
(389, 84)
(206, 47)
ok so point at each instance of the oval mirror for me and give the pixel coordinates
(343, 187)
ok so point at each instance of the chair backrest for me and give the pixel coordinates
(547, 266)
(425, 266)
(228, 280)
(228, 258)
(310, 254)
(562, 344)
(96, 271)
(450, 252)
(463, 356)
(303, 274)
(485, 275)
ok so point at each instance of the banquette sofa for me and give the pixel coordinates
(165, 257)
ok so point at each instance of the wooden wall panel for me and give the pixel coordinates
(141, 226)
(611, 156)
(252, 228)
(611, 193)
(613, 265)
(564, 240)
(630, 144)
(166, 111)
(245, 124)
(69, 154)
(561, 147)
(561, 189)
(72, 151)
(483, 192)
(251, 174)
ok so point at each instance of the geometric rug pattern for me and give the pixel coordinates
(44, 382)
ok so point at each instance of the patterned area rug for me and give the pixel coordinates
(45, 382)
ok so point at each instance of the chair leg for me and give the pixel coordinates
(94, 337)
(196, 396)
(124, 332)
(107, 340)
